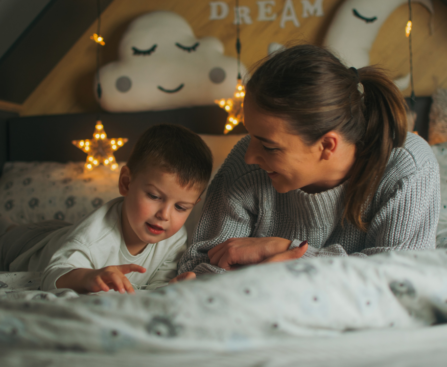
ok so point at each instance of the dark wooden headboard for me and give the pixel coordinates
(48, 138)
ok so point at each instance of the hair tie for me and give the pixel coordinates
(360, 87)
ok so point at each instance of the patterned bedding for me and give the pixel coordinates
(388, 308)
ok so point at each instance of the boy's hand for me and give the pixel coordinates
(189, 275)
(90, 280)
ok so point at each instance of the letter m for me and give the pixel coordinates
(315, 9)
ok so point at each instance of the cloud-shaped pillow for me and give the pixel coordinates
(162, 65)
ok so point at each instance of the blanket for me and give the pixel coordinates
(240, 310)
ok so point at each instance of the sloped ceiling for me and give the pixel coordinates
(45, 29)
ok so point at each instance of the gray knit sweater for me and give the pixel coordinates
(241, 202)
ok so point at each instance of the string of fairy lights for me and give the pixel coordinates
(100, 149)
(408, 30)
(235, 106)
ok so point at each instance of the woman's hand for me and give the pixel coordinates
(292, 254)
(90, 280)
(189, 275)
(235, 252)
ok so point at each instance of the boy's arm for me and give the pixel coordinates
(73, 255)
(96, 280)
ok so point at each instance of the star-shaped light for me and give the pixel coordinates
(234, 107)
(100, 149)
(98, 39)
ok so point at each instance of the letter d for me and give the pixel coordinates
(215, 7)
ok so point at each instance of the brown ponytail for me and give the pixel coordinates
(312, 90)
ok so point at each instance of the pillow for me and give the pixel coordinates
(440, 152)
(37, 191)
(437, 128)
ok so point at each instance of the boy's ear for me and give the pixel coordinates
(124, 181)
(198, 200)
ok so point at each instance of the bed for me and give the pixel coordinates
(388, 310)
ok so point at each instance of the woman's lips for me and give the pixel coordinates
(152, 228)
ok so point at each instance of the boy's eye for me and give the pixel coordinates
(178, 207)
(152, 196)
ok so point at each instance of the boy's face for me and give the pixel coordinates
(155, 205)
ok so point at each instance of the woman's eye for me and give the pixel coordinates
(147, 52)
(190, 48)
(269, 149)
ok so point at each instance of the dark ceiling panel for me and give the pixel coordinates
(43, 44)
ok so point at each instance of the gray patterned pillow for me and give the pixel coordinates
(37, 191)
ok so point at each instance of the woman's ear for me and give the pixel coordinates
(124, 181)
(329, 144)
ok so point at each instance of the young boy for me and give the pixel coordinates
(131, 241)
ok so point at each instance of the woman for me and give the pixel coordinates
(328, 169)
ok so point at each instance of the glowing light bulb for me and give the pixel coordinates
(113, 142)
(95, 162)
(114, 147)
(89, 166)
(98, 39)
(114, 166)
(408, 28)
(90, 158)
(87, 143)
(81, 143)
(106, 162)
(99, 127)
(229, 127)
(227, 108)
(111, 158)
(87, 148)
(120, 142)
(97, 136)
(103, 136)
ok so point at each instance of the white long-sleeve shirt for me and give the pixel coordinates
(97, 242)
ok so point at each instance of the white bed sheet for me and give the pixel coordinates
(317, 312)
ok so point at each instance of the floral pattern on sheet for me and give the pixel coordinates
(252, 307)
(37, 191)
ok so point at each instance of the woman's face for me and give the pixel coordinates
(289, 162)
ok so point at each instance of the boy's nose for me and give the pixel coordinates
(163, 214)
